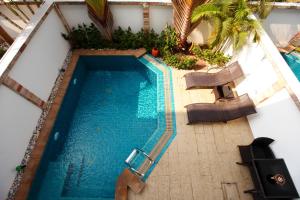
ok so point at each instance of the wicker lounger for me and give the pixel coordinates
(207, 80)
(221, 111)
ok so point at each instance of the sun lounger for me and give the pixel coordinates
(207, 80)
(221, 111)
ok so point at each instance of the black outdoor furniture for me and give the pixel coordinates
(223, 92)
(270, 176)
(258, 149)
(263, 174)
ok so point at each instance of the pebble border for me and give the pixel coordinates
(13, 189)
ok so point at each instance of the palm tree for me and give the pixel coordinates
(100, 13)
(182, 17)
(232, 22)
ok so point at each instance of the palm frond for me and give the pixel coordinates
(214, 38)
(227, 27)
(242, 13)
(242, 38)
(205, 11)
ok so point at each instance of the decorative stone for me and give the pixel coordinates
(36, 132)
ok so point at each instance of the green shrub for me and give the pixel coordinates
(86, 37)
(179, 61)
(129, 40)
(2, 52)
(210, 56)
(124, 39)
(168, 41)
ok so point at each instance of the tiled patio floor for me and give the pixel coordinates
(200, 163)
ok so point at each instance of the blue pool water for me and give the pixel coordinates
(113, 105)
(293, 61)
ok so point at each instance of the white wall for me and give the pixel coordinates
(18, 119)
(75, 14)
(160, 16)
(201, 33)
(278, 117)
(38, 66)
(123, 15)
(36, 69)
(282, 25)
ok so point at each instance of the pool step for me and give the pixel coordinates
(55, 177)
(89, 192)
(73, 177)
(125, 180)
(60, 175)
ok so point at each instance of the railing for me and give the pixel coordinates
(131, 158)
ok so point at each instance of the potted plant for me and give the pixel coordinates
(155, 52)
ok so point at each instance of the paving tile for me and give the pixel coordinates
(175, 188)
(186, 187)
(163, 187)
(202, 156)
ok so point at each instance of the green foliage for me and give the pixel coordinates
(180, 61)
(20, 168)
(89, 37)
(263, 7)
(232, 22)
(168, 41)
(210, 56)
(86, 37)
(126, 39)
(2, 52)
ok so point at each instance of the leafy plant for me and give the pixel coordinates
(232, 22)
(297, 49)
(180, 61)
(129, 40)
(86, 37)
(2, 52)
(168, 40)
(210, 56)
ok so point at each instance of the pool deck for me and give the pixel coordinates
(200, 162)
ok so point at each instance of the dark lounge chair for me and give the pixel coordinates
(208, 80)
(221, 111)
(258, 149)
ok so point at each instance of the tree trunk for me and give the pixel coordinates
(7, 38)
(182, 17)
(104, 21)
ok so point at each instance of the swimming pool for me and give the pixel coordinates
(113, 104)
(293, 60)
